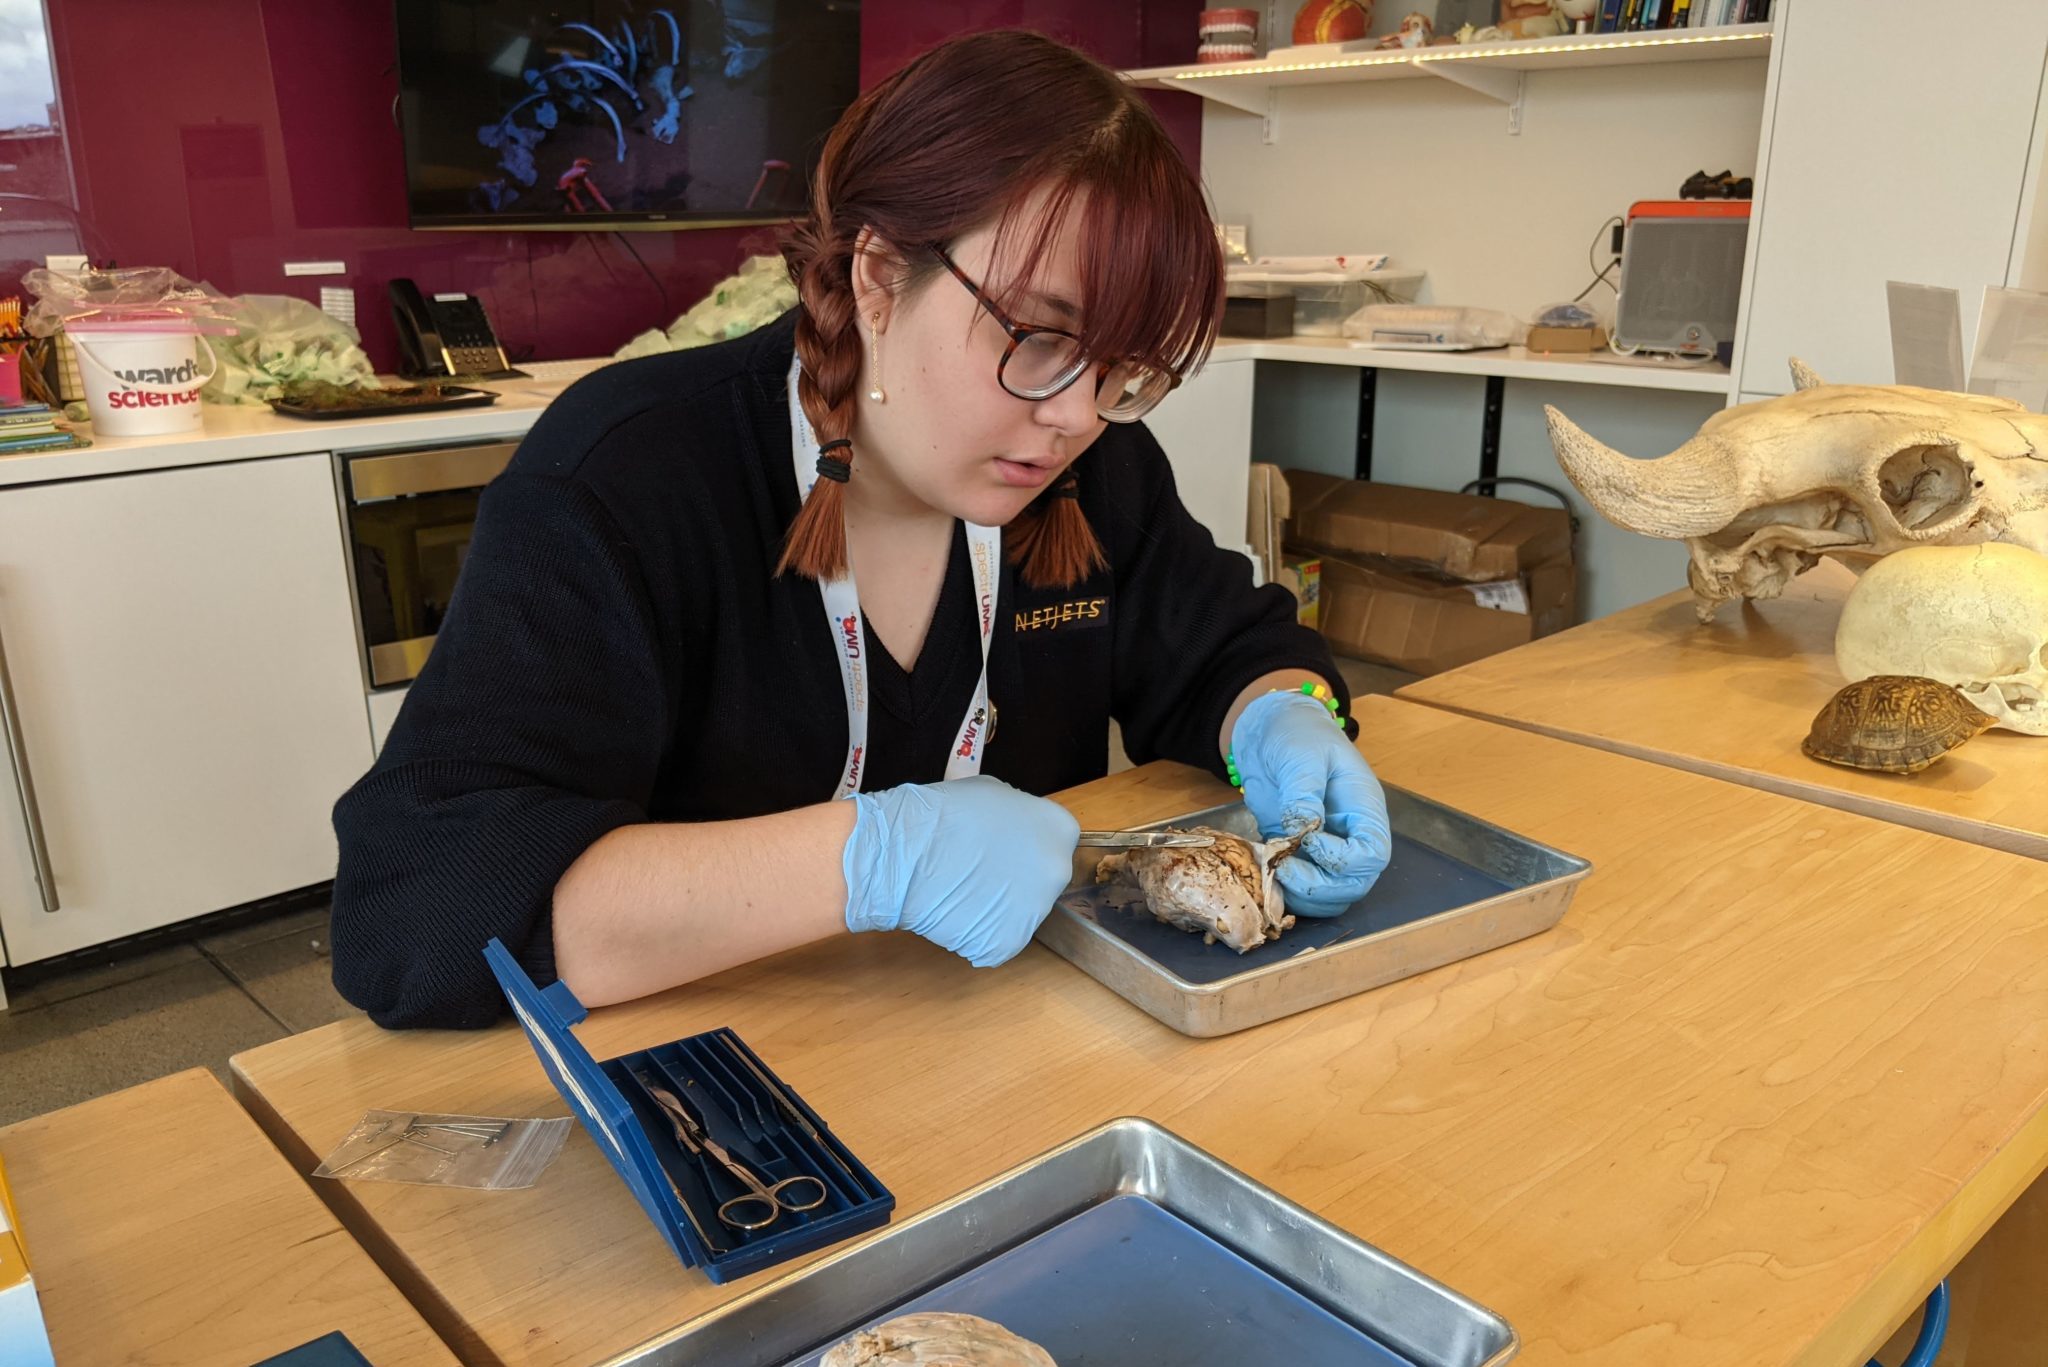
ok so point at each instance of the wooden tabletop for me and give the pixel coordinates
(1733, 699)
(1777, 1068)
(162, 1228)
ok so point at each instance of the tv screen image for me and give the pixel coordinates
(523, 114)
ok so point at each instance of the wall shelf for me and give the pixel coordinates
(1514, 363)
(1496, 70)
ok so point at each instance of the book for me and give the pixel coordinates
(49, 441)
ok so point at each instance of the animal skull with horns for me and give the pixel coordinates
(1852, 471)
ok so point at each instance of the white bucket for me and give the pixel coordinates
(142, 380)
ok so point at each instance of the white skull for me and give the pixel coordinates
(1972, 616)
(1851, 471)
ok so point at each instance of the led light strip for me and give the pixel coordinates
(1474, 51)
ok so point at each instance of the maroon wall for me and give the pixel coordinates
(225, 137)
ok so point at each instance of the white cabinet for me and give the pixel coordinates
(1205, 427)
(1899, 147)
(188, 694)
(384, 705)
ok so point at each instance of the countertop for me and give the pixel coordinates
(230, 433)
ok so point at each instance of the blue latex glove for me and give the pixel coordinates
(973, 865)
(1297, 767)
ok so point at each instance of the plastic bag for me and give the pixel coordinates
(446, 1150)
(760, 293)
(155, 291)
(1567, 315)
(1431, 327)
(283, 341)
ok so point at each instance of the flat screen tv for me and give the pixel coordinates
(609, 113)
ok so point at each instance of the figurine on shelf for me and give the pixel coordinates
(1331, 21)
(1531, 19)
(1578, 15)
(1520, 19)
(1416, 31)
(1227, 35)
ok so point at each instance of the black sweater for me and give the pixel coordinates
(619, 649)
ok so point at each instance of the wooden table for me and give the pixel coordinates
(163, 1229)
(1776, 1070)
(1733, 699)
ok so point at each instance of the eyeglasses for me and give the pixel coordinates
(1042, 362)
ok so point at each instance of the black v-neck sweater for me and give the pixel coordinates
(619, 649)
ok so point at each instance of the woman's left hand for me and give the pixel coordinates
(1297, 768)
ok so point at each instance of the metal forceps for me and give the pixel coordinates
(762, 1202)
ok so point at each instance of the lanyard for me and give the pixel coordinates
(850, 635)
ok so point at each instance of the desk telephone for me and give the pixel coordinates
(446, 335)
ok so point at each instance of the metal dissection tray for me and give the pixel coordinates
(1457, 886)
(1126, 1247)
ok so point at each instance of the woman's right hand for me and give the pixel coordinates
(973, 865)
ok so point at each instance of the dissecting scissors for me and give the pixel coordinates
(762, 1204)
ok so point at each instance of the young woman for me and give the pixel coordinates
(907, 545)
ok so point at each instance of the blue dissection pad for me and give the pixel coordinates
(1126, 1284)
(1419, 882)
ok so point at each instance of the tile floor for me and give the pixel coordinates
(71, 1036)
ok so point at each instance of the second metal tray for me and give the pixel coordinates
(1126, 1246)
(1457, 886)
(452, 396)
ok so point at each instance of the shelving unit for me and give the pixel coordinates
(1495, 70)
(1423, 174)
(1513, 363)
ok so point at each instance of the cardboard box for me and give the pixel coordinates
(1302, 576)
(24, 1342)
(1426, 581)
(1266, 508)
(1572, 341)
(1427, 623)
(1462, 536)
(1267, 504)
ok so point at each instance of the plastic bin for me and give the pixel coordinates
(1324, 299)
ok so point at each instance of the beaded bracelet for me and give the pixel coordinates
(1314, 688)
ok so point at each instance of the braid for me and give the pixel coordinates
(829, 355)
(1051, 542)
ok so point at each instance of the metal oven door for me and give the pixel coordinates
(410, 516)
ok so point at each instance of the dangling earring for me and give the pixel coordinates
(875, 394)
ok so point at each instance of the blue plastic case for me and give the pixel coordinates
(635, 1137)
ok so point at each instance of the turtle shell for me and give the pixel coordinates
(1895, 723)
